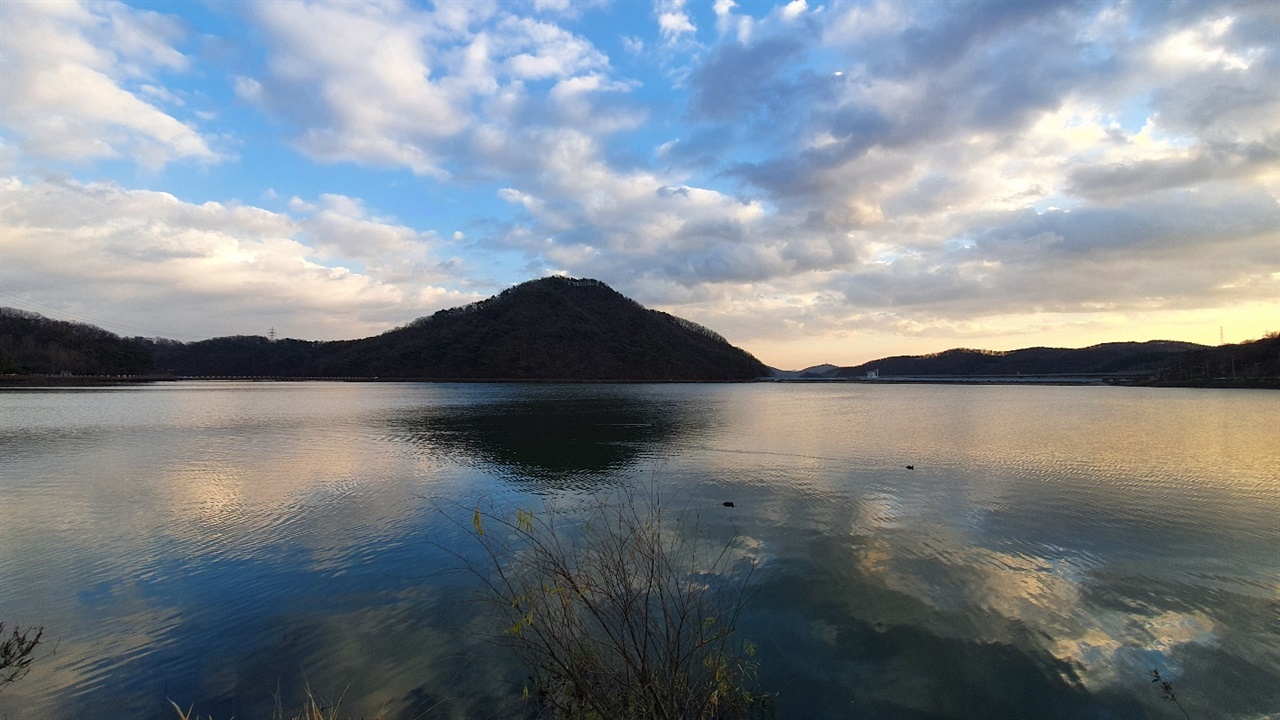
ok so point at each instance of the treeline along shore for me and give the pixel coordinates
(564, 329)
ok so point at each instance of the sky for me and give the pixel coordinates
(818, 182)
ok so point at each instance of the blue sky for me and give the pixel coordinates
(818, 182)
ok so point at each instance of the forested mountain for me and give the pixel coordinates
(550, 329)
(32, 343)
(553, 328)
(1123, 357)
(240, 355)
(1258, 359)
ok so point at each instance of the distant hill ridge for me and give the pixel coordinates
(1255, 363)
(554, 328)
(1108, 358)
(561, 328)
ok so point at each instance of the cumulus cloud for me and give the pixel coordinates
(370, 98)
(942, 129)
(538, 50)
(79, 83)
(673, 22)
(404, 85)
(216, 269)
(1084, 259)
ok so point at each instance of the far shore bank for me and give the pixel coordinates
(75, 381)
(92, 380)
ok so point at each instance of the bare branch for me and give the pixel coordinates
(621, 610)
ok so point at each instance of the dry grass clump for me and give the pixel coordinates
(18, 652)
(620, 612)
(312, 709)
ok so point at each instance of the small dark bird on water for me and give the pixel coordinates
(911, 467)
(728, 504)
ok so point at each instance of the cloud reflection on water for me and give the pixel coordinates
(1034, 564)
(1069, 554)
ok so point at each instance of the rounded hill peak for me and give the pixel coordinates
(554, 328)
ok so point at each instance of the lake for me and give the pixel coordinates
(217, 543)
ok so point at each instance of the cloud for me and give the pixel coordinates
(80, 84)
(673, 22)
(794, 9)
(567, 8)
(371, 98)
(1138, 177)
(740, 81)
(217, 269)
(538, 50)
(403, 86)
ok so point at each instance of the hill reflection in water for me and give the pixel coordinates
(557, 437)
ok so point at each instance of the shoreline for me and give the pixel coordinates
(84, 381)
(98, 380)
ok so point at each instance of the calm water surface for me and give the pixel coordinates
(216, 543)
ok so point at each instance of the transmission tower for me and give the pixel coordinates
(271, 334)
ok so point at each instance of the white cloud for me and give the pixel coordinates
(794, 9)
(404, 85)
(374, 97)
(539, 50)
(68, 77)
(727, 22)
(857, 22)
(558, 6)
(216, 269)
(248, 89)
(1202, 47)
(673, 22)
(343, 206)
